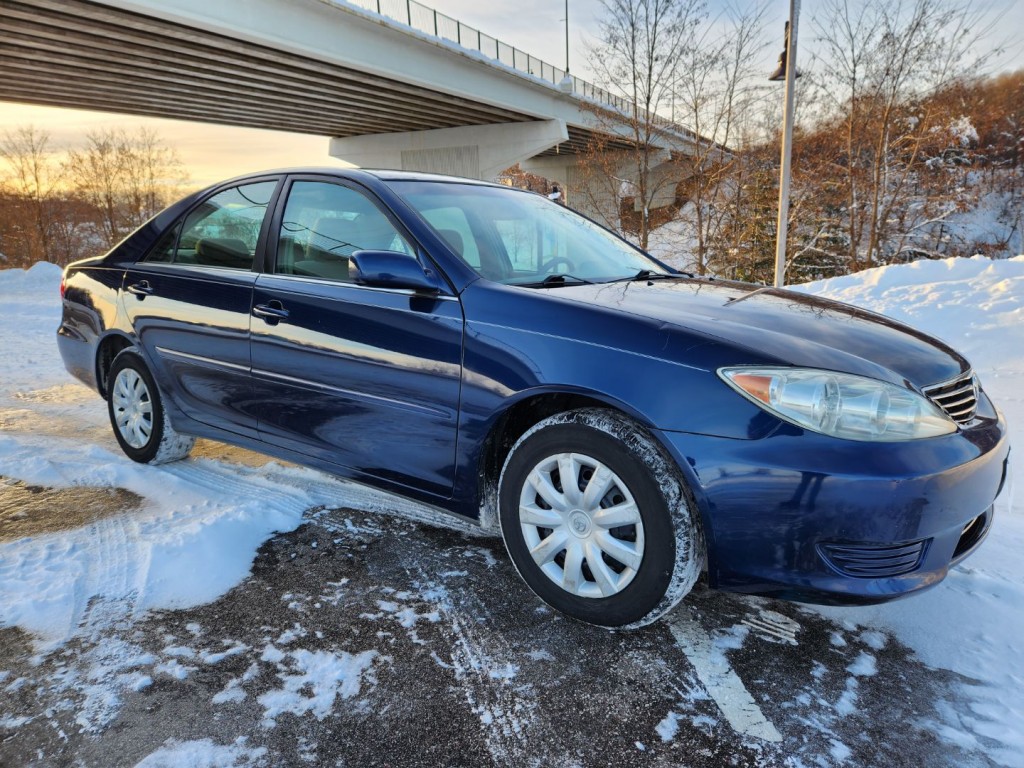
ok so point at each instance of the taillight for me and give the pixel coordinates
(63, 282)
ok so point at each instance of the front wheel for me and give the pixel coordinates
(137, 414)
(598, 521)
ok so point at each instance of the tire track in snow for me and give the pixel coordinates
(197, 512)
(111, 574)
(69, 583)
(315, 489)
(52, 584)
(463, 638)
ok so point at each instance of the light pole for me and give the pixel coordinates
(566, 38)
(787, 70)
(566, 84)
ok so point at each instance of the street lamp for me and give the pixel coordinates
(786, 70)
(779, 75)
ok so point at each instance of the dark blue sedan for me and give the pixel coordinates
(495, 355)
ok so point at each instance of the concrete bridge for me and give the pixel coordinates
(394, 83)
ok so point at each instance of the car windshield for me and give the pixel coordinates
(518, 238)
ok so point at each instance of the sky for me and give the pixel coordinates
(212, 152)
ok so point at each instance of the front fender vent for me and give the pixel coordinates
(870, 561)
(957, 397)
(972, 534)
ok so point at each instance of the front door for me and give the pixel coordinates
(366, 378)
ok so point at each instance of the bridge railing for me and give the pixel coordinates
(443, 27)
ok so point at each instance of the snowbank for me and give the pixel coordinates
(42, 275)
(674, 242)
(972, 623)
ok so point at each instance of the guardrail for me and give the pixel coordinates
(434, 24)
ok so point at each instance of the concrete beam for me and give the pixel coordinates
(474, 151)
(367, 44)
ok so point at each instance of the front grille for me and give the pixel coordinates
(957, 397)
(868, 561)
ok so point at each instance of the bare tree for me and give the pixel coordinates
(635, 58)
(877, 58)
(31, 186)
(93, 173)
(153, 175)
(126, 177)
(714, 94)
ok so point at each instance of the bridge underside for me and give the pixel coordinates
(79, 54)
(386, 98)
(72, 53)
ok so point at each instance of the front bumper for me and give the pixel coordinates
(807, 517)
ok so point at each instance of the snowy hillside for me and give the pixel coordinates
(198, 524)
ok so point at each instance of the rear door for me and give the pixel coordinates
(189, 301)
(366, 378)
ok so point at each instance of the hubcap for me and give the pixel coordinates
(581, 525)
(133, 408)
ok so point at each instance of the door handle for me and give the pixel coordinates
(273, 312)
(142, 289)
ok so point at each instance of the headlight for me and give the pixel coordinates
(840, 405)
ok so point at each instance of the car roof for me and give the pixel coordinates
(384, 175)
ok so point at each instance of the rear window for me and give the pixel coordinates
(223, 231)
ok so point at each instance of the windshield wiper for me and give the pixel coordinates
(647, 274)
(558, 280)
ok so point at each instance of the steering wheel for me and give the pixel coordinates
(550, 264)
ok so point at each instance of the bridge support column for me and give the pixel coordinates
(582, 191)
(475, 151)
(596, 192)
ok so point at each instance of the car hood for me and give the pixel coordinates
(790, 327)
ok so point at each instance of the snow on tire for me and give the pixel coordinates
(598, 521)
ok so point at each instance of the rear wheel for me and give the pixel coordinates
(137, 414)
(598, 521)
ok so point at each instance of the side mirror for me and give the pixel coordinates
(390, 269)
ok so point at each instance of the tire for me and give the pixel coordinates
(137, 414)
(622, 569)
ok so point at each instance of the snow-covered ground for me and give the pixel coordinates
(201, 522)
